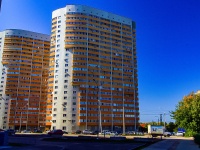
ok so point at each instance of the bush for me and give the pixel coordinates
(197, 138)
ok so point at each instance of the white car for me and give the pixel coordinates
(106, 132)
(167, 134)
(180, 133)
(87, 132)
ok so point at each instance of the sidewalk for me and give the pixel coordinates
(187, 145)
(162, 145)
(179, 144)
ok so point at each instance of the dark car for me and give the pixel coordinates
(78, 132)
(65, 132)
(10, 132)
(95, 132)
(56, 132)
(1, 130)
(37, 131)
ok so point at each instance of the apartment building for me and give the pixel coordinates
(24, 57)
(93, 80)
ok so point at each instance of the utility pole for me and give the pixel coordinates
(160, 119)
(164, 119)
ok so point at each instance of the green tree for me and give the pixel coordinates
(187, 114)
(171, 127)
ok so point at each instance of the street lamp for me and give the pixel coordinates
(99, 108)
(123, 119)
(20, 125)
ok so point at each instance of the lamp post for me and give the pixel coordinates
(123, 119)
(20, 125)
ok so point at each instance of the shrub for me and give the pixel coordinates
(197, 138)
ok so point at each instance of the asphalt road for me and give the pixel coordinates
(34, 142)
(37, 144)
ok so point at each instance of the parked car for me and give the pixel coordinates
(130, 133)
(95, 132)
(87, 132)
(180, 133)
(37, 131)
(113, 133)
(26, 131)
(106, 132)
(78, 132)
(173, 133)
(10, 132)
(47, 131)
(1, 130)
(167, 134)
(65, 132)
(56, 132)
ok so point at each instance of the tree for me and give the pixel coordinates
(187, 114)
(171, 127)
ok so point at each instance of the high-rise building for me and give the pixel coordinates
(24, 57)
(93, 81)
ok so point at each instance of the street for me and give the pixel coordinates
(35, 142)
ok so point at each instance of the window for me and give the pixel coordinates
(54, 115)
(56, 81)
(65, 86)
(64, 109)
(66, 65)
(64, 115)
(65, 92)
(55, 98)
(64, 121)
(74, 97)
(65, 97)
(74, 103)
(56, 87)
(74, 92)
(55, 109)
(65, 81)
